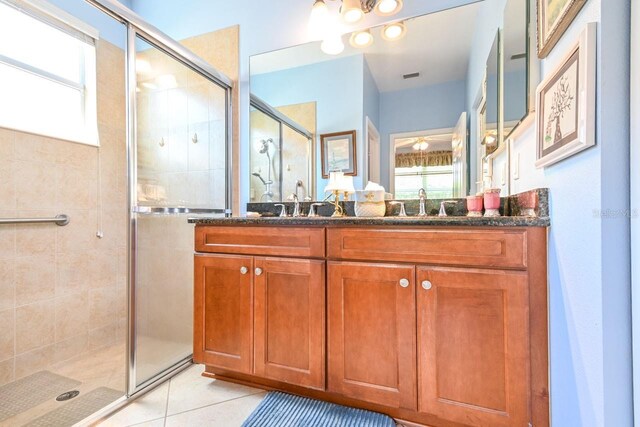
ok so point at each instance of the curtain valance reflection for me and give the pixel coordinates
(424, 159)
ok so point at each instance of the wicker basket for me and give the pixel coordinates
(370, 209)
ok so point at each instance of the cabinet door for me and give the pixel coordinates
(290, 321)
(372, 332)
(472, 346)
(223, 323)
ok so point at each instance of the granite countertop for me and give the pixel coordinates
(510, 209)
(503, 221)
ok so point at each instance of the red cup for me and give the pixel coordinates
(492, 199)
(474, 203)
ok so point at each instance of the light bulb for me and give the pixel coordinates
(352, 16)
(394, 31)
(361, 39)
(318, 20)
(352, 11)
(388, 7)
(421, 146)
(332, 45)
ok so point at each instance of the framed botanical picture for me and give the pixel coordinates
(566, 103)
(338, 152)
(554, 17)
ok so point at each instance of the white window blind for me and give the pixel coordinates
(47, 75)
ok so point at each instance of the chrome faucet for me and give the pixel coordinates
(423, 198)
(402, 210)
(312, 210)
(443, 210)
(296, 206)
(283, 212)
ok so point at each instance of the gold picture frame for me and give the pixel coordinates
(554, 17)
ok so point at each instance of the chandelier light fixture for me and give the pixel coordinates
(421, 145)
(324, 26)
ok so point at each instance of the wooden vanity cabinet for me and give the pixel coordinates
(261, 315)
(372, 333)
(289, 319)
(223, 311)
(440, 335)
(473, 357)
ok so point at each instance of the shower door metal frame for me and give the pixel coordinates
(283, 120)
(138, 28)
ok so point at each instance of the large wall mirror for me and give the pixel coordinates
(428, 108)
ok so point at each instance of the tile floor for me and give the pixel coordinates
(101, 368)
(189, 399)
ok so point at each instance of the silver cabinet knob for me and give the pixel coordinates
(426, 285)
(244, 270)
(258, 271)
(404, 283)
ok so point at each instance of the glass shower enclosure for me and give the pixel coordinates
(113, 134)
(178, 139)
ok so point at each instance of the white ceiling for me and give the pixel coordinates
(436, 45)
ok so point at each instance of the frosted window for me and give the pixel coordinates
(47, 78)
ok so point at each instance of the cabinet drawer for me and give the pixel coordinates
(274, 241)
(477, 248)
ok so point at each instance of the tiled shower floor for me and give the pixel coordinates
(103, 368)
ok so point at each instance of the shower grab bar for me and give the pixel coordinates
(60, 220)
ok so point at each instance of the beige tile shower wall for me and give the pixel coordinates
(182, 130)
(63, 290)
(221, 49)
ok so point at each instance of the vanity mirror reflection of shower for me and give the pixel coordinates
(281, 157)
(265, 158)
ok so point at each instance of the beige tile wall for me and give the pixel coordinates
(63, 290)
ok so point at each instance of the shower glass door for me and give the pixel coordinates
(181, 171)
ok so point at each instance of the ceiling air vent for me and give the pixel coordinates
(411, 76)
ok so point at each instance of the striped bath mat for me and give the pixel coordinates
(285, 410)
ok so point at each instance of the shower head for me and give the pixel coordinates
(263, 145)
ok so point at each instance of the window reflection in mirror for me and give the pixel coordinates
(424, 161)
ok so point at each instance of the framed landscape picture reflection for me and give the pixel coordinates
(565, 103)
(554, 17)
(338, 152)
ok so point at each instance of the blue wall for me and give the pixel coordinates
(431, 107)
(371, 107)
(336, 86)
